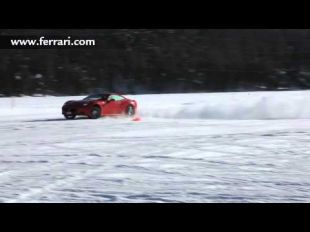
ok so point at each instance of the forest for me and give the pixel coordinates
(137, 61)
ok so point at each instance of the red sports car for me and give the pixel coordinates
(97, 105)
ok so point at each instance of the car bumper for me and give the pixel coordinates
(75, 111)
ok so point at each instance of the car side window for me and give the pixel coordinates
(115, 98)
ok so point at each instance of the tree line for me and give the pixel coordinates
(159, 61)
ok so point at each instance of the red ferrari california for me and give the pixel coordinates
(97, 105)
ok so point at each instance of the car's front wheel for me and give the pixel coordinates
(70, 116)
(95, 112)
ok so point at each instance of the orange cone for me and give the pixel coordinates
(136, 118)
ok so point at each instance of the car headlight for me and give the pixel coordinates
(85, 104)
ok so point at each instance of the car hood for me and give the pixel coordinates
(77, 102)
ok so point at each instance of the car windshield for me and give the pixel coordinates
(97, 97)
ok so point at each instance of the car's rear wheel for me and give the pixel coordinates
(70, 116)
(95, 112)
(130, 111)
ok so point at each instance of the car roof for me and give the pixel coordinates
(103, 93)
(107, 93)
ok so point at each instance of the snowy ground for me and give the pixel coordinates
(221, 147)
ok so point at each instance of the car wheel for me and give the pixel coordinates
(70, 116)
(95, 112)
(130, 111)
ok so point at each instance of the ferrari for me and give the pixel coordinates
(97, 105)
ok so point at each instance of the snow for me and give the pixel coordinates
(208, 147)
(238, 105)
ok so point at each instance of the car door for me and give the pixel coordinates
(113, 106)
(121, 104)
(109, 108)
